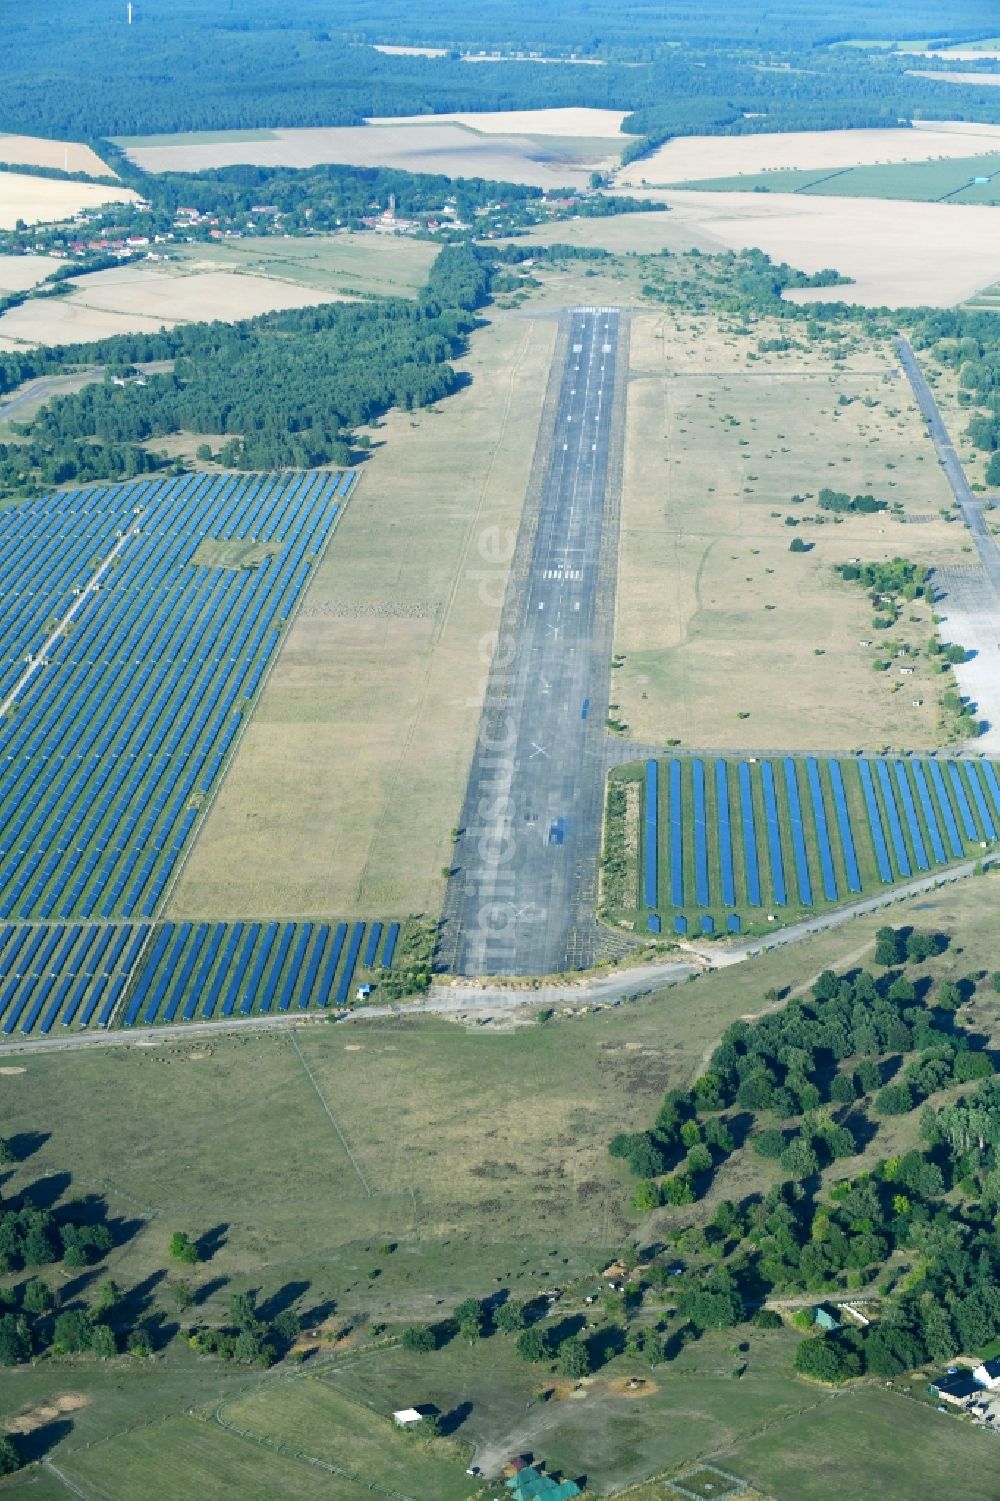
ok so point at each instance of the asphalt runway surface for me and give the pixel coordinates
(521, 896)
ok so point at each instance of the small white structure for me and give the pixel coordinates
(406, 1417)
(988, 1374)
(364, 991)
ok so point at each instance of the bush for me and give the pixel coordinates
(894, 1099)
(766, 1318)
(825, 1359)
(419, 1339)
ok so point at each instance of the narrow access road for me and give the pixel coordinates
(971, 507)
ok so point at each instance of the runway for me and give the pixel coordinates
(521, 895)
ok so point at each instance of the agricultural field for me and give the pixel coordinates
(367, 724)
(537, 157)
(977, 80)
(898, 254)
(720, 439)
(18, 273)
(734, 846)
(972, 179)
(144, 297)
(697, 157)
(40, 200)
(67, 156)
(351, 265)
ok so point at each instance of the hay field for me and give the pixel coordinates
(728, 156)
(144, 297)
(354, 768)
(352, 264)
(69, 156)
(429, 144)
(39, 200)
(715, 615)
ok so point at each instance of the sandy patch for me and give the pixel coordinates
(19, 272)
(46, 1412)
(537, 122)
(973, 78)
(409, 51)
(70, 156)
(695, 157)
(353, 1047)
(632, 1386)
(551, 156)
(12, 1071)
(143, 298)
(899, 253)
(39, 200)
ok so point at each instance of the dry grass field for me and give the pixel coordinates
(39, 200)
(144, 297)
(594, 123)
(351, 264)
(691, 157)
(427, 144)
(977, 80)
(69, 156)
(353, 770)
(19, 272)
(715, 616)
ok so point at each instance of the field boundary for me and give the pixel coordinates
(369, 1191)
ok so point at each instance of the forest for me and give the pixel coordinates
(676, 67)
(286, 388)
(802, 1087)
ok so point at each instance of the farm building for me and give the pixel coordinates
(530, 1484)
(956, 1387)
(988, 1374)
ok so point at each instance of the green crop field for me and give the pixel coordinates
(970, 179)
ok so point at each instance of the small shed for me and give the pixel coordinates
(406, 1417)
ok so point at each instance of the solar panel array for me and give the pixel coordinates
(736, 842)
(74, 975)
(117, 724)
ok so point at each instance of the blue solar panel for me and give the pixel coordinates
(930, 817)
(875, 823)
(371, 946)
(892, 814)
(798, 835)
(700, 836)
(910, 814)
(653, 924)
(352, 958)
(750, 863)
(650, 841)
(971, 770)
(844, 825)
(964, 811)
(725, 832)
(676, 836)
(389, 947)
(773, 834)
(947, 812)
(330, 964)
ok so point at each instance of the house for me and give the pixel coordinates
(957, 1387)
(988, 1374)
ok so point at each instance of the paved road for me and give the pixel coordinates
(971, 507)
(521, 898)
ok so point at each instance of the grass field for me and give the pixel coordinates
(351, 264)
(717, 445)
(972, 179)
(481, 1165)
(353, 771)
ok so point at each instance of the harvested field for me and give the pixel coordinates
(354, 768)
(595, 123)
(39, 200)
(409, 51)
(69, 156)
(142, 298)
(19, 272)
(899, 254)
(715, 451)
(976, 79)
(727, 156)
(428, 144)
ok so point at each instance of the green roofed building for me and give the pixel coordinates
(532, 1485)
